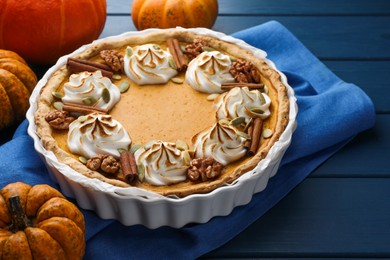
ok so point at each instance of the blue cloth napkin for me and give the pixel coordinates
(331, 112)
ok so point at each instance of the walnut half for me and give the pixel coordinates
(113, 59)
(244, 72)
(204, 169)
(195, 48)
(59, 120)
(106, 163)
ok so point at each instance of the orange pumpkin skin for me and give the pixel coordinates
(171, 13)
(56, 227)
(42, 31)
(17, 81)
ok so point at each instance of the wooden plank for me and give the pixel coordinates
(116, 25)
(303, 7)
(365, 156)
(119, 7)
(282, 7)
(332, 217)
(329, 38)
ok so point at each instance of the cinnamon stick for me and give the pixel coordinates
(94, 64)
(83, 109)
(248, 142)
(177, 54)
(171, 48)
(256, 134)
(125, 165)
(228, 86)
(79, 65)
(129, 166)
(133, 165)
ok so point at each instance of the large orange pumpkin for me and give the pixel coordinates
(37, 222)
(43, 30)
(171, 13)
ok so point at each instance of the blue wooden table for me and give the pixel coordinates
(342, 209)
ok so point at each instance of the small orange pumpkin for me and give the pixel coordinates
(37, 222)
(17, 81)
(171, 13)
(42, 31)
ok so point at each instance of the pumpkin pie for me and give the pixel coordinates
(171, 112)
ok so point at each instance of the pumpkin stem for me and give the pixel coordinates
(19, 219)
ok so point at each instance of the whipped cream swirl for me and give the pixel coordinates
(148, 64)
(242, 102)
(208, 71)
(91, 89)
(97, 134)
(164, 163)
(221, 142)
